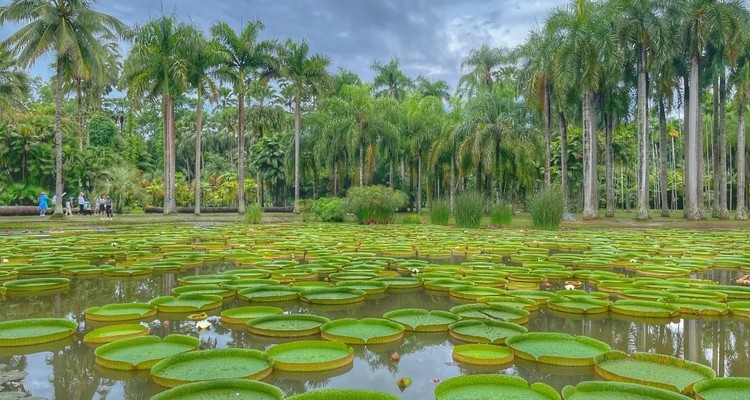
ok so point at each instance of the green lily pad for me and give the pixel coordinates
(370, 287)
(28, 286)
(557, 348)
(107, 334)
(343, 394)
(35, 331)
(207, 279)
(421, 320)
(482, 354)
(740, 308)
(490, 387)
(310, 355)
(596, 390)
(699, 307)
(644, 308)
(143, 352)
(362, 331)
(723, 389)
(208, 365)
(241, 315)
(401, 284)
(484, 331)
(269, 294)
(492, 311)
(579, 305)
(235, 389)
(332, 295)
(212, 289)
(186, 303)
(287, 325)
(118, 312)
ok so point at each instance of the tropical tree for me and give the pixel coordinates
(157, 66)
(483, 63)
(740, 77)
(74, 32)
(423, 124)
(303, 75)
(390, 80)
(244, 59)
(435, 88)
(14, 83)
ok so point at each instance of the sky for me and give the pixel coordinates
(429, 37)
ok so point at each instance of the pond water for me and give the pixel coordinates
(66, 371)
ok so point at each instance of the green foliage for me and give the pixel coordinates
(102, 130)
(547, 208)
(329, 209)
(412, 219)
(470, 207)
(253, 214)
(268, 156)
(440, 212)
(17, 194)
(501, 214)
(122, 184)
(374, 204)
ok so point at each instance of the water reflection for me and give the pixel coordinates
(65, 370)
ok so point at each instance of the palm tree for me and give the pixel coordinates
(706, 23)
(202, 60)
(70, 29)
(423, 124)
(389, 80)
(436, 88)
(741, 79)
(157, 66)
(304, 75)
(641, 30)
(483, 63)
(244, 59)
(14, 83)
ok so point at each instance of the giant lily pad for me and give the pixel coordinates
(241, 315)
(490, 387)
(370, 287)
(269, 294)
(596, 390)
(33, 285)
(143, 352)
(120, 312)
(332, 295)
(484, 331)
(557, 348)
(287, 325)
(644, 308)
(207, 279)
(401, 284)
(236, 389)
(421, 320)
(492, 311)
(208, 365)
(579, 305)
(699, 307)
(310, 355)
(482, 354)
(740, 308)
(186, 303)
(111, 333)
(362, 331)
(213, 289)
(723, 389)
(343, 394)
(35, 331)
(656, 370)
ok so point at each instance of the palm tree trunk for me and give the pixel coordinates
(198, 151)
(547, 134)
(361, 163)
(715, 146)
(170, 201)
(479, 177)
(721, 205)
(740, 163)
(79, 101)
(663, 149)
(609, 161)
(58, 142)
(296, 153)
(642, 205)
(453, 181)
(564, 159)
(336, 178)
(241, 154)
(419, 181)
(693, 151)
(590, 203)
(390, 173)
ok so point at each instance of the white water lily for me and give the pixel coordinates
(203, 324)
(5, 260)
(569, 287)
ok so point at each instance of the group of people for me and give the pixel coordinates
(102, 205)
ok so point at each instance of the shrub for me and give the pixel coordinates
(412, 219)
(501, 214)
(329, 209)
(374, 204)
(469, 210)
(547, 209)
(253, 214)
(440, 212)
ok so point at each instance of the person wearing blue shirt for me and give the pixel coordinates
(43, 204)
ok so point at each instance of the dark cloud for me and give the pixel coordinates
(430, 37)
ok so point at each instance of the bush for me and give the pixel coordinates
(374, 204)
(253, 214)
(412, 219)
(470, 208)
(329, 209)
(501, 214)
(547, 209)
(440, 212)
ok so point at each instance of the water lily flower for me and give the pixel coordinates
(569, 287)
(5, 260)
(203, 324)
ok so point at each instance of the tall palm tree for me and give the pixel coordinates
(244, 59)
(641, 29)
(157, 66)
(304, 75)
(436, 88)
(741, 79)
(423, 124)
(202, 60)
(705, 23)
(483, 63)
(389, 80)
(70, 29)
(14, 83)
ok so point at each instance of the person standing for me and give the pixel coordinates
(81, 203)
(108, 206)
(103, 205)
(69, 207)
(97, 203)
(43, 204)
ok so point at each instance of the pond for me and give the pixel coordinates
(66, 370)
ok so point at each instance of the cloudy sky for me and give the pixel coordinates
(430, 37)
